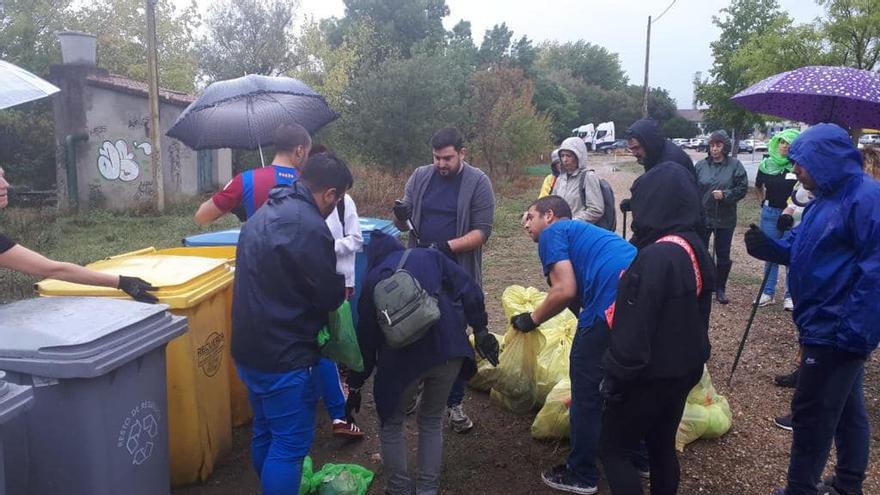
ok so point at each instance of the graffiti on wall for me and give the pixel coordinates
(117, 162)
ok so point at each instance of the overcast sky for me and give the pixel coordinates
(679, 41)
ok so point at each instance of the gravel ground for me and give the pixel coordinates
(500, 457)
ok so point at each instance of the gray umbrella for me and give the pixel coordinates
(244, 113)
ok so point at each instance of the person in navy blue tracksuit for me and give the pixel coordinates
(285, 285)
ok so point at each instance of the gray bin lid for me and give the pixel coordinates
(81, 337)
(14, 399)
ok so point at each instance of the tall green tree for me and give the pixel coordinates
(740, 22)
(27, 32)
(506, 132)
(393, 111)
(121, 28)
(495, 48)
(405, 23)
(585, 61)
(853, 29)
(782, 47)
(252, 37)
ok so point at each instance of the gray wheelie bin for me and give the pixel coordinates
(14, 400)
(98, 425)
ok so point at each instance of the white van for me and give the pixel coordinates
(604, 137)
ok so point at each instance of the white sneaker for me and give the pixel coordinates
(458, 420)
(788, 304)
(766, 300)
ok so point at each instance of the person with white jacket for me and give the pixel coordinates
(345, 226)
(578, 186)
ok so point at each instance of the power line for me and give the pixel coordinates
(665, 11)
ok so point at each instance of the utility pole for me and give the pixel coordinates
(153, 74)
(647, 59)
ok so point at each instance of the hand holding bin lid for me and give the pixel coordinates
(197, 364)
(99, 420)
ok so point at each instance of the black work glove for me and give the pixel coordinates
(625, 205)
(756, 240)
(486, 345)
(523, 322)
(353, 402)
(442, 246)
(785, 222)
(402, 211)
(137, 288)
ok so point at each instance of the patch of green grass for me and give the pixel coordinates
(748, 210)
(745, 279)
(630, 166)
(538, 170)
(85, 238)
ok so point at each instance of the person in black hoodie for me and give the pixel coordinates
(659, 332)
(645, 141)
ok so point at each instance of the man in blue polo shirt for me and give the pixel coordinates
(583, 263)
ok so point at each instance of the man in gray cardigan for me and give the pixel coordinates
(452, 206)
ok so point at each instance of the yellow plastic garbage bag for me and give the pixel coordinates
(694, 423)
(552, 421)
(515, 382)
(553, 361)
(706, 414)
(720, 419)
(485, 376)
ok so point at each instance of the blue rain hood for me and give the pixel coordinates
(828, 154)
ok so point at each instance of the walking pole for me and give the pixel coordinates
(742, 342)
(623, 230)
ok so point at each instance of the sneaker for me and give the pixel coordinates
(788, 304)
(784, 422)
(766, 300)
(645, 474)
(561, 478)
(826, 487)
(787, 381)
(458, 420)
(346, 429)
(721, 296)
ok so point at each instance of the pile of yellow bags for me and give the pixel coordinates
(531, 364)
(706, 414)
(533, 372)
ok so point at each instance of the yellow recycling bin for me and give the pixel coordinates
(199, 428)
(238, 394)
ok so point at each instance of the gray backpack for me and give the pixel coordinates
(405, 311)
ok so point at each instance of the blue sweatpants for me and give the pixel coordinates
(284, 425)
(331, 389)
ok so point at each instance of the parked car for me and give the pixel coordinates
(699, 144)
(872, 139)
(681, 142)
(616, 147)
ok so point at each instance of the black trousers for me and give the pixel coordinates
(649, 410)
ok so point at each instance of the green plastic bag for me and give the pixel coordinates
(305, 482)
(339, 343)
(342, 479)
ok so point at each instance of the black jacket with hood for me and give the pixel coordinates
(661, 327)
(658, 149)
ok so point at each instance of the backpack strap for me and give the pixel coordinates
(690, 252)
(403, 259)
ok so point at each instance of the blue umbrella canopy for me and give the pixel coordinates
(244, 113)
(20, 86)
(841, 95)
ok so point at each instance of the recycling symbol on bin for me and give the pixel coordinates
(140, 439)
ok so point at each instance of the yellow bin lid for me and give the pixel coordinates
(183, 281)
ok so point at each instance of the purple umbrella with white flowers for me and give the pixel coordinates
(841, 95)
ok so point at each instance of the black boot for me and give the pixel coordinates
(787, 381)
(722, 271)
